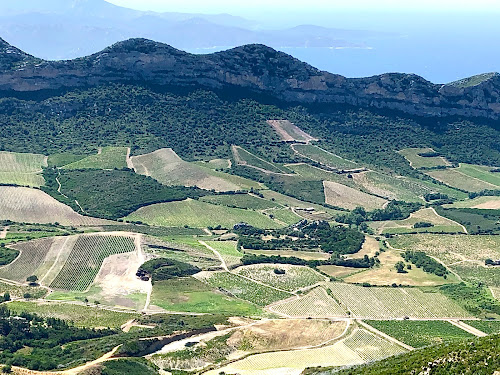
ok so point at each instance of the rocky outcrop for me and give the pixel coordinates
(254, 68)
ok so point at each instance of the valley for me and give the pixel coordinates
(190, 232)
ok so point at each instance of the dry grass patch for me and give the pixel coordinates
(306, 255)
(486, 203)
(290, 132)
(27, 205)
(346, 197)
(338, 271)
(429, 215)
(285, 334)
(386, 274)
(370, 247)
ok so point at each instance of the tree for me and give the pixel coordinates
(32, 279)
(400, 267)
(7, 369)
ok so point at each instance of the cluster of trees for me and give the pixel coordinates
(112, 194)
(365, 262)
(395, 210)
(44, 336)
(164, 269)
(311, 235)
(483, 193)
(7, 255)
(428, 264)
(423, 224)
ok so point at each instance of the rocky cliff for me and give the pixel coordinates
(254, 68)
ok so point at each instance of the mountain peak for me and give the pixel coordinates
(141, 45)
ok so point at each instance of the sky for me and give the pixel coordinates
(242, 7)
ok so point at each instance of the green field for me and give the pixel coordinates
(417, 161)
(477, 221)
(388, 302)
(108, 158)
(81, 316)
(321, 156)
(191, 295)
(22, 168)
(228, 251)
(245, 201)
(86, 258)
(199, 215)
(420, 333)
(484, 202)
(243, 288)
(295, 277)
(468, 177)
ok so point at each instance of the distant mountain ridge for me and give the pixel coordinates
(66, 29)
(256, 69)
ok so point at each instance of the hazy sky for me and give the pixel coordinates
(240, 7)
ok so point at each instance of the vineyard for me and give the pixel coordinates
(86, 258)
(22, 169)
(486, 326)
(248, 290)
(26, 205)
(199, 214)
(371, 347)
(293, 278)
(292, 362)
(321, 156)
(346, 197)
(246, 201)
(315, 304)
(168, 168)
(390, 303)
(359, 347)
(32, 256)
(244, 157)
(421, 333)
(465, 178)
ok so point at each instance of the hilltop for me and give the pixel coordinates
(248, 71)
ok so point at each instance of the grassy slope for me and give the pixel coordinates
(109, 158)
(21, 169)
(191, 295)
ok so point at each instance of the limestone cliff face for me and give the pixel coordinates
(255, 68)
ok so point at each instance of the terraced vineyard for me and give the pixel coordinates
(22, 168)
(86, 258)
(240, 287)
(421, 333)
(294, 277)
(315, 304)
(390, 303)
(371, 347)
(107, 158)
(467, 177)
